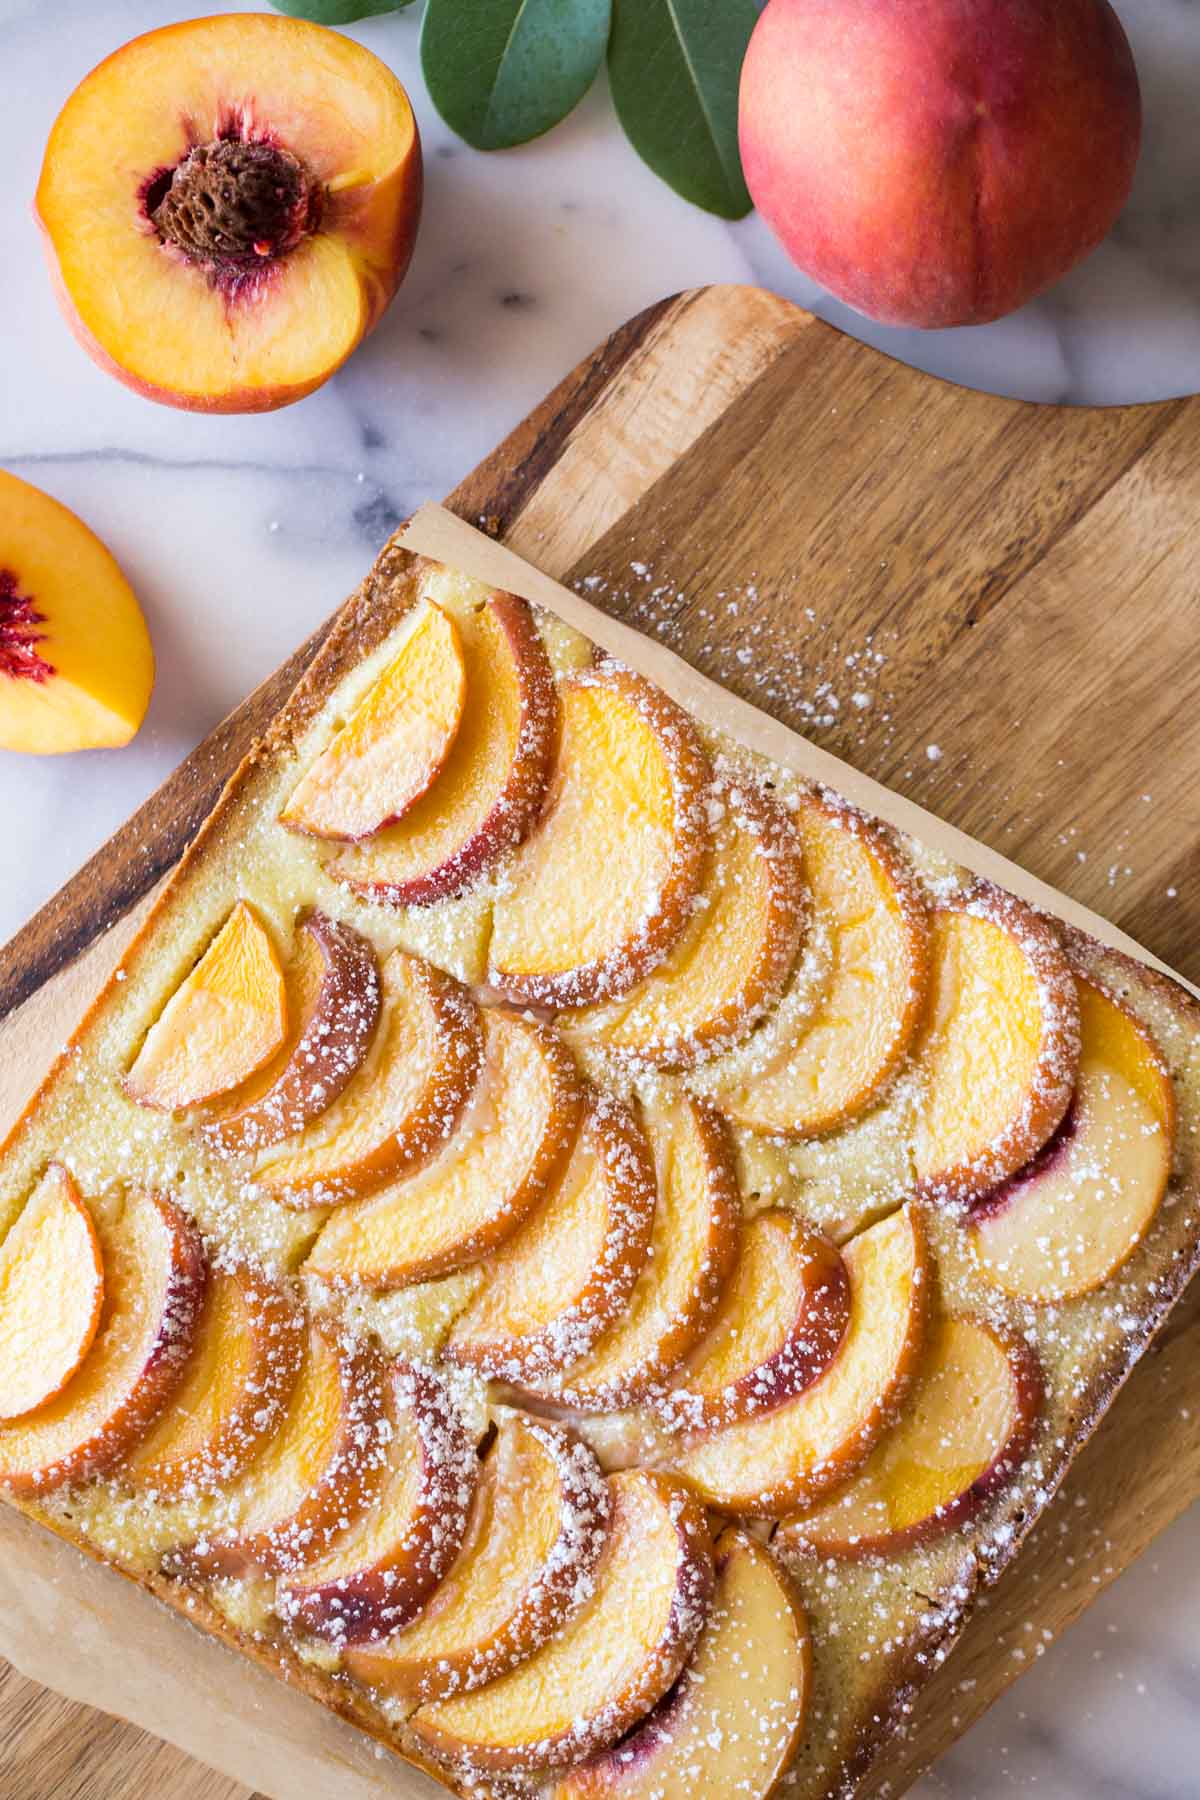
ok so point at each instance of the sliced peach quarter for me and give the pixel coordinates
(244, 1363)
(732, 1722)
(76, 666)
(392, 749)
(606, 884)
(782, 1318)
(963, 1433)
(1068, 1220)
(50, 1252)
(510, 1145)
(322, 1466)
(491, 785)
(693, 1247)
(566, 1276)
(528, 1562)
(250, 216)
(333, 1001)
(402, 1104)
(786, 1457)
(735, 954)
(154, 1281)
(612, 1663)
(799, 1079)
(222, 1023)
(379, 1570)
(999, 1051)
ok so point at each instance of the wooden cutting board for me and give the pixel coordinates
(992, 606)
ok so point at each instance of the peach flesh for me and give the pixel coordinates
(939, 162)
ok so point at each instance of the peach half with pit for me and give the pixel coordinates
(229, 204)
(76, 667)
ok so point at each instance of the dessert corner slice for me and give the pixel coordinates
(490, 787)
(225, 1020)
(565, 1277)
(800, 1449)
(733, 1720)
(998, 1054)
(51, 1249)
(605, 884)
(612, 1663)
(541, 1515)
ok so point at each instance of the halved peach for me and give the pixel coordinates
(244, 1363)
(802, 1080)
(1068, 1220)
(392, 748)
(616, 1658)
(963, 1433)
(378, 1572)
(731, 1724)
(786, 1457)
(519, 1131)
(154, 1280)
(555, 1287)
(735, 954)
(229, 204)
(490, 787)
(52, 1253)
(321, 1468)
(999, 1051)
(223, 1022)
(76, 666)
(606, 884)
(404, 1101)
(538, 1527)
(693, 1246)
(333, 1001)
(781, 1321)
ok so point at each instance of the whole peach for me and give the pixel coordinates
(938, 162)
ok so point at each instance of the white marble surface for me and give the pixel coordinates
(240, 534)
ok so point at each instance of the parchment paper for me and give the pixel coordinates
(84, 1631)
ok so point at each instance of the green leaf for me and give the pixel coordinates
(674, 66)
(337, 12)
(503, 71)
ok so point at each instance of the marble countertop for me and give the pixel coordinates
(240, 534)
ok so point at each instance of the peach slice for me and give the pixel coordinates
(731, 1724)
(800, 1083)
(537, 1530)
(222, 1023)
(606, 883)
(379, 1571)
(76, 666)
(780, 1324)
(490, 788)
(999, 1051)
(393, 747)
(51, 1250)
(1068, 1220)
(244, 1363)
(154, 1280)
(322, 1467)
(249, 217)
(963, 1433)
(522, 1124)
(693, 1247)
(786, 1457)
(555, 1287)
(403, 1102)
(333, 1001)
(616, 1658)
(735, 954)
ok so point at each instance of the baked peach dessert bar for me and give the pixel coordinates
(580, 1249)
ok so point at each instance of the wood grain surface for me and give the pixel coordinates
(1014, 590)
